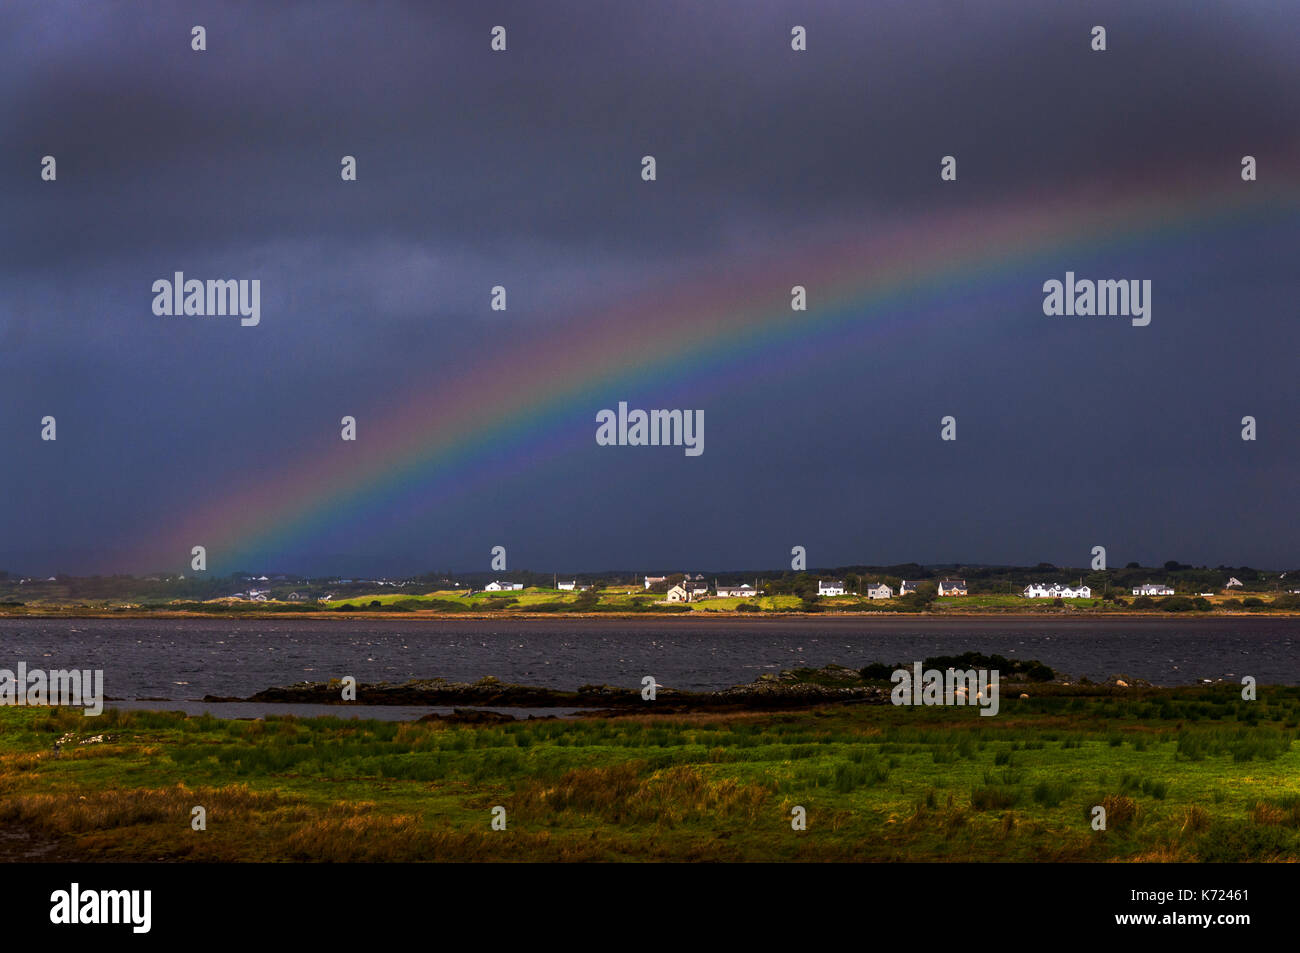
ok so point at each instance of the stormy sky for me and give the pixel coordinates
(522, 168)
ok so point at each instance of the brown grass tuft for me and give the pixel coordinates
(620, 794)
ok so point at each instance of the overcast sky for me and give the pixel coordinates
(522, 168)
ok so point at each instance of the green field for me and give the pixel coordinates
(730, 604)
(524, 600)
(55, 600)
(1185, 774)
(624, 598)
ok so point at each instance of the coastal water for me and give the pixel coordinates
(375, 712)
(183, 660)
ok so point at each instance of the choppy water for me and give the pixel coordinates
(187, 659)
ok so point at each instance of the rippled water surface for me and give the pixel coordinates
(187, 659)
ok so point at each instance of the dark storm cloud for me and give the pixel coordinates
(478, 169)
(459, 144)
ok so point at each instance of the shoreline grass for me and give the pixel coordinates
(1190, 774)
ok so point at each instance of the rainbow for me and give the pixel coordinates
(687, 332)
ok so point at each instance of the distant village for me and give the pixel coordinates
(690, 588)
(695, 588)
(903, 588)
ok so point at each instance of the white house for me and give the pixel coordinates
(654, 580)
(744, 591)
(495, 586)
(678, 594)
(952, 587)
(698, 588)
(834, 587)
(1038, 590)
(905, 588)
(880, 591)
(1153, 589)
(1233, 583)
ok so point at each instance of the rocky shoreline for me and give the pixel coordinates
(768, 692)
(831, 684)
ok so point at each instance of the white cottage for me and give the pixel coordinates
(1153, 589)
(743, 591)
(1038, 590)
